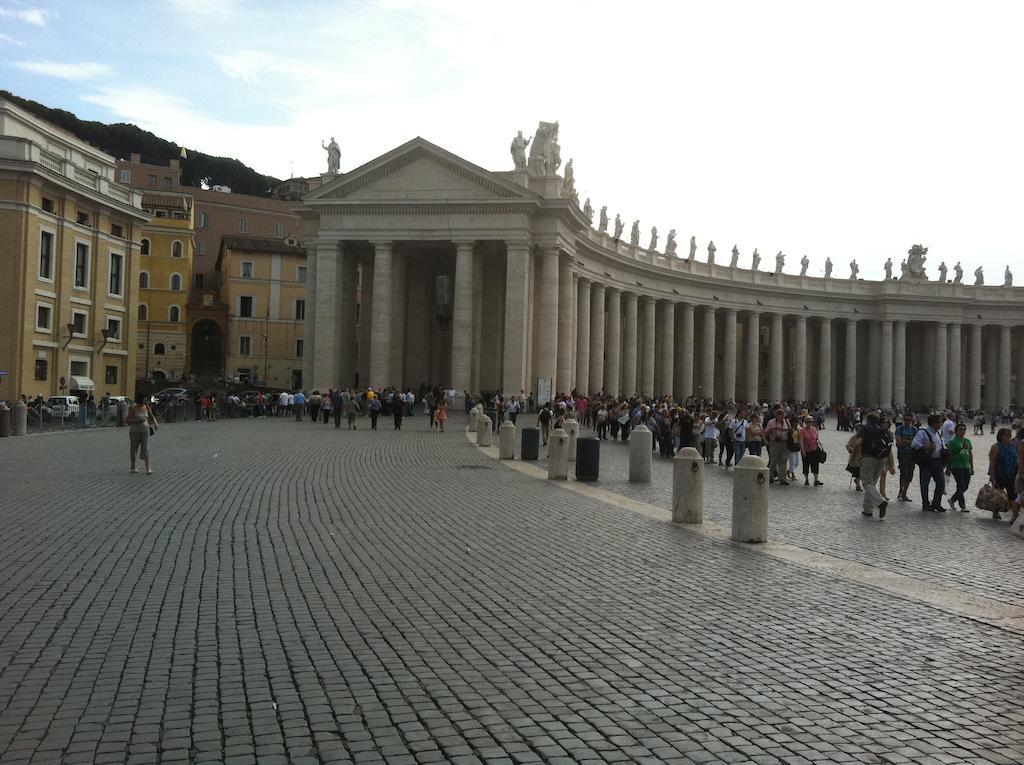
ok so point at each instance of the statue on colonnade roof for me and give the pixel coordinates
(979, 275)
(735, 261)
(780, 262)
(854, 269)
(942, 272)
(958, 273)
(711, 251)
(518, 150)
(693, 247)
(670, 244)
(333, 156)
(755, 260)
(634, 233)
(589, 211)
(915, 262)
(654, 240)
(888, 269)
(602, 224)
(805, 262)
(828, 268)
(619, 225)
(1007, 277)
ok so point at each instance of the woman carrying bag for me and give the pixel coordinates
(142, 424)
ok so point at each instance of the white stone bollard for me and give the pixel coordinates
(474, 418)
(483, 431)
(558, 455)
(507, 441)
(750, 500)
(19, 419)
(640, 454)
(688, 487)
(572, 429)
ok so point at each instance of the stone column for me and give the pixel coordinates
(462, 318)
(825, 361)
(684, 347)
(1005, 358)
(850, 366)
(563, 372)
(629, 341)
(775, 361)
(647, 381)
(547, 292)
(1020, 370)
(348, 296)
(753, 355)
(517, 282)
(800, 360)
(729, 356)
(885, 366)
(597, 320)
(398, 304)
(955, 367)
(380, 333)
(899, 375)
(974, 369)
(613, 341)
(667, 345)
(583, 337)
(941, 359)
(309, 326)
(707, 366)
(328, 315)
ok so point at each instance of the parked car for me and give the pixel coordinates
(175, 394)
(63, 406)
(110, 411)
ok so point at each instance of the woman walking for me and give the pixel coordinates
(755, 434)
(441, 414)
(809, 451)
(961, 465)
(1002, 463)
(142, 423)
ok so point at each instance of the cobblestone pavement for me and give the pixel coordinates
(281, 592)
(966, 551)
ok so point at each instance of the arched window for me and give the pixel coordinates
(175, 282)
(144, 279)
(143, 312)
(173, 313)
(144, 247)
(158, 349)
(176, 249)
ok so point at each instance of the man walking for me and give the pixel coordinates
(775, 435)
(874, 446)
(905, 435)
(927, 450)
(544, 422)
(738, 428)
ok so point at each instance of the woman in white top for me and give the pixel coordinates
(709, 432)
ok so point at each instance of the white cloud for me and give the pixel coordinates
(36, 16)
(252, 66)
(83, 70)
(11, 40)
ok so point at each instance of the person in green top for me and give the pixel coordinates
(961, 465)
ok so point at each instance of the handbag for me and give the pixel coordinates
(992, 499)
(822, 455)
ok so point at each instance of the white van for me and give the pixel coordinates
(63, 406)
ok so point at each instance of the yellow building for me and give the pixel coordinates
(263, 284)
(165, 274)
(69, 252)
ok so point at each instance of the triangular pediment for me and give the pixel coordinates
(418, 171)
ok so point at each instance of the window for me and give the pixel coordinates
(201, 247)
(116, 266)
(298, 348)
(47, 205)
(300, 310)
(175, 282)
(44, 317)
(243, 225)
(83, 218)
(176, 249)
(178, 215)
(204, 220)
(245, 307)
(144, 280)
(245, 346)
(168, 181)
(117, 231)
(158, 349)
(41, 368)
(81, 265)
(79, 319)
(197, 281)
(152, 181)
(247, 269)
(126, 176)
(300, 274)
(46, 255)
(80, 368)
(143, 312)
(144, 247)
(174, 314)
(114, 329)
(161, 213)
(111, 375)
(279, 230)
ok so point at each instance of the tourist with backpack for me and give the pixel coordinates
(873, 447)
(544, 422)
(928, 453)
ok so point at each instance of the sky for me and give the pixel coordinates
(842, 130)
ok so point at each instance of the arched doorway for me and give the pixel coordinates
(207, 348)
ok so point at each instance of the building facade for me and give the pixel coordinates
(263, 285)
(533, 291)
(69, 251)
(165, 273)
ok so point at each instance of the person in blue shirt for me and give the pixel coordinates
(929, 439)
(905, 434)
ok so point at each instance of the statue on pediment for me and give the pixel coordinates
(828, 268)
(670, 244)
(854, 269)
(805, 262)
(904, 270)
(780, 262)
(735, 260)
(569, 181)
(942, 272)
(634, 233)
(518, 150)
(653, 247)
(589, 211)
(888, 269)
(958, 273)
(619, 225)
(979, 276)
(711, 251)
(693, 247)
(1007, 277)
(545, 154)
(915, 262)
(602, 221)
(333, 156)
(755, 260)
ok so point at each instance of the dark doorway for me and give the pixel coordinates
(207, 348)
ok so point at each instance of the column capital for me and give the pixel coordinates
(731, 311)
(382, 244)
(517, 244)
(461, 245)
(597, 286)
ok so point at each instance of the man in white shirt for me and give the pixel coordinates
(512, 410)
(738, 428)
(282, 403)
(928, 439)
(948, 428)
